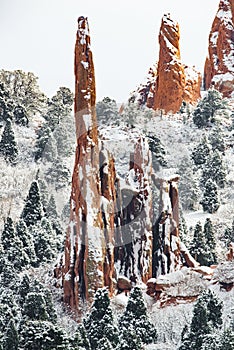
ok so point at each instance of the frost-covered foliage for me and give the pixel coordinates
(99, 324)
(209, 108)
(135, 315)
(206, 320)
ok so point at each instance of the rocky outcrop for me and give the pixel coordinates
(171, 82)
(219, 65)
(166, 241)
(89, 261)
(135, 256)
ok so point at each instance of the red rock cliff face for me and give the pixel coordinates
(86, 255)
(171, 82)
(135, 258)
(219, 65)
(166, 242)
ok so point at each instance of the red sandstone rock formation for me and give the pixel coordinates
(135, 257)
(219, 65)
(89, 262)
(166, 242)
(171, 82)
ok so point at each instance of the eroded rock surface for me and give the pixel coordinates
(219, 65)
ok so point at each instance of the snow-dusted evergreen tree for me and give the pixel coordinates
(206, 320)
(59, 107)
(79, 339)
(43, 137)
(107, 111)
(45, 242)
(229, 234)
(210, 200)
(26, 238)
(35, 307)
(201, 152)
(209, 108)
(129, 339)
(21, 115)
(51, 210)
(216, 139)
(44, 194)
(32, 211)
(188, 185)
(13, 246)
(158, 152)
(227, 340)
(24, 90)
(99, 323)
(58, 174)
(6, 103)
(136, 315)
(10, 339)
(50, 152)
(198, 245)
(8, 146)
(211, 255)
(42, 335)
(214, 169)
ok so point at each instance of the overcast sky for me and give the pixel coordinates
(39, 36)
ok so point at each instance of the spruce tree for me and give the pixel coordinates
(8, 146)
(210, 256)
(32, 211)
(100, 322)
(51, 210)
(26, 239)
(201, 152)
(216, 139)
(210, 200)
(206, 320)
(43, 137)
(227, 340)
(11, 339)
(214, 170)
(208, 108)
(45, 241)
(136, 314)
(198, 245)
(13, 247)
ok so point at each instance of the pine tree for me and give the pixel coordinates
(210, 256)
(44, 241)
(35, 307)
(229, 234)
(32, 211)
(201, 152)
(51, 210)
(198, 245)
(227, 340)
(209, 108)
(21, 115)
(100, 322)
(207, 319)
(11, 340)
(38, 335)
(79, 339)
(26, 238)
(210, 200)
(188, 185)
(6, 103)
(216, 139)
(13, 247)
(8, 146)
(136, 314)
(43, 137)
(58, 174)
(158, 152)
(107, 111)
(129, 340)
(214, 170)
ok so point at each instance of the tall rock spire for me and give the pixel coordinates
(219, 65)
(84, 253)
(171, 82)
